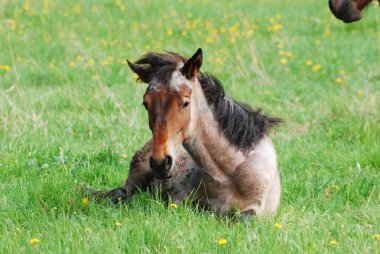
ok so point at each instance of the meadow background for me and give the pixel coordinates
(71, 117)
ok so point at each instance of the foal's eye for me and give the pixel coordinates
(186, 104)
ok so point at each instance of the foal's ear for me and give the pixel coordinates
(192, 66)
(143, 71)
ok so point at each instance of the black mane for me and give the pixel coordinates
(238, 122)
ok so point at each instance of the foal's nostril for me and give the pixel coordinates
(168, 162)
(161, 168)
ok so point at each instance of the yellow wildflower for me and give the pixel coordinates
(95, 77)
(27, 6)
(180, 246)
(85, 201)
(333, 242)
(335, 186)
(183, 33)
(308, 62)
(5, 67)
(339, 80)
(280, 45)
(209, 40)
(360, 92)
(90, 62)
(222, 241)
(283, 60)
(117, 223)
(169, 31)
(317, 67)
(289, 54)
(376, 236)
(277, 27)
(34, 240)
(72, 64)
(277, 225)
(173, 205)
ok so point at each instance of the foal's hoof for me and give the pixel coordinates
(116, 195)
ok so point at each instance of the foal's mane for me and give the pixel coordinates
(242, 125)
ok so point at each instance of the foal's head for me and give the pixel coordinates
(167, 99)
(348, 10)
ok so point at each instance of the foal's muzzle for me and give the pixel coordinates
(161, 168)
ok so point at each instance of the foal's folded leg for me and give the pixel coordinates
(140, 176)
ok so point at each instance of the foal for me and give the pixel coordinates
(203, 142)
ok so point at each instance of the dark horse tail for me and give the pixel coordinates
(115, 195)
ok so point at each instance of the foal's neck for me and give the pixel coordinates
(206, 144)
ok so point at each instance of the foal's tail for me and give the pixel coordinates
(115, 195)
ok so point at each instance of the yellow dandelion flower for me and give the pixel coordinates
(308, 62)
(283, 60)
(333, 242)
(183, 33)
(180, 246)
(317, 67)
(272, 20)
(117, 223)
(27, 6)
(375, 236)
(335, 186)
(280, 45)
(282, 52)
(45, 5)
(105, 62)
(135, 76)
(360, 92)
(90, 62)
(317, 42)
(72, 64)
(173, 205)
(289, 54)
(85, 201)
(5, 67)
(277, 27)
(341, 72)
(266, 92)
(339, 80)
(222, 241)
(123, 155)
(223, 30)
(209, 40)
(147, 46)
(169, 31)
(34, 240)
(95, 77)
(110, 59)
(277, 225)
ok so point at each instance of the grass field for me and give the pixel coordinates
(71, 117)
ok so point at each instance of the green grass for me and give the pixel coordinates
(66, 124)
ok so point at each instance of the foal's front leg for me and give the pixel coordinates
(139, 177)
